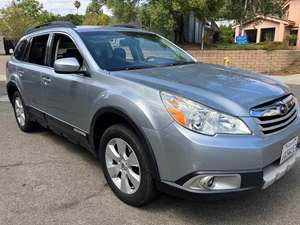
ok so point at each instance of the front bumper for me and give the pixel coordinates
(250, 181)
(181, 154)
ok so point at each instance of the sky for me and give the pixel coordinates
(62, 7)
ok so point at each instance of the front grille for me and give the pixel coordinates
(277, 115)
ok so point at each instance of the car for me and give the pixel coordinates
(156, 118)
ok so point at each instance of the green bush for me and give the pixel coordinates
(226, 35)
(268, 46)
(292, 40)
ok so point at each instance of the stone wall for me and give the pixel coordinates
(256, 60)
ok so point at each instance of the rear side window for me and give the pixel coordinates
(38, 50)
(20, 50)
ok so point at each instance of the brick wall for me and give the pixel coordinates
(256, 60)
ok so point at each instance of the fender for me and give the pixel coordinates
(119, 112)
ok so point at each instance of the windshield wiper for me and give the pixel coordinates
(137, 67)
(177, 64)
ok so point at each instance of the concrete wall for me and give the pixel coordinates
(2, 51)
(256, 60)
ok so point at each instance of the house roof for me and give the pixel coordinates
(274, 19)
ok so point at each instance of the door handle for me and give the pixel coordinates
(46, 80)
(21, 73)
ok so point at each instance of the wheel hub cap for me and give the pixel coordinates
(122, 165)
(20, 114)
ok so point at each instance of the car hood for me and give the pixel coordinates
(226, 89)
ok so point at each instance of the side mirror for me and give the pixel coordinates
(11, 51)
(66, 65)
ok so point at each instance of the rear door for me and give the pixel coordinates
(30, 71)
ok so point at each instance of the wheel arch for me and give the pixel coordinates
(109, 116)
(11, 88)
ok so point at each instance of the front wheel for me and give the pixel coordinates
(125, 166)
(21, 114)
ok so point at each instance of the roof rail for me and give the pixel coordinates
(133, 26)
(51, 25)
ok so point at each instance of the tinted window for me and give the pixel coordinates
(64, 47)
(20, 50)
(114, 50)
(38, 50)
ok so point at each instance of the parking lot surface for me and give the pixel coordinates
(46, 180)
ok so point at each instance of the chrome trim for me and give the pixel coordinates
(276, 120)
(279, 125)
(221, 182)
(274, 109)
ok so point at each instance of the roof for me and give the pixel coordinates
(105, 28)
(269, 18)
(68, 25)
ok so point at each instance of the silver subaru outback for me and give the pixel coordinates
(157, 119)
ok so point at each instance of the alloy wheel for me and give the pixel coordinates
(19, 109)
(122, 165)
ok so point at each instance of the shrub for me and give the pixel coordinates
(292, 40)
(226, 35)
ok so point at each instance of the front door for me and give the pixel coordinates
(66, 95)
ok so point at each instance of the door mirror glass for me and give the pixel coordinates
(66, 65)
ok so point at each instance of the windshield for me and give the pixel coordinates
(114, 51)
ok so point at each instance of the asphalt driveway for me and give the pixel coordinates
(46, 180)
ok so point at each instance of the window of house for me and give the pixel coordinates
(38, 50)
(267, 34)
(251, 34)
(64, 47)
(20, 50)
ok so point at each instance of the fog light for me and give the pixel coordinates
(207, 182)
(214, 182)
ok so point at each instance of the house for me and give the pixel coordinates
(272, 28)
(194, 29)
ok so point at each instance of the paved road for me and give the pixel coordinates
(46, 180)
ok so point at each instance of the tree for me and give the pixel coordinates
(244, 10)
(125, 11)
(21, 15)
(77, 5)
(167, 16)
(94, 14)
(75, 19)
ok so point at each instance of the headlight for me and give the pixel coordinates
(200, 118)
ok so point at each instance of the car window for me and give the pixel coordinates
(20, 50)
(64, 47)
(120, 50)
(38, 50)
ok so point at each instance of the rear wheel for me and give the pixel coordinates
(21, 114)
(125, 166)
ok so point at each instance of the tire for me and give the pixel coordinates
(21, 114)
(130, 176)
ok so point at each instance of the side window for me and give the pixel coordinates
(20, 50)
(64, 47)
(38, 50)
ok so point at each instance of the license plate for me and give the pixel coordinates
(289, 150)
